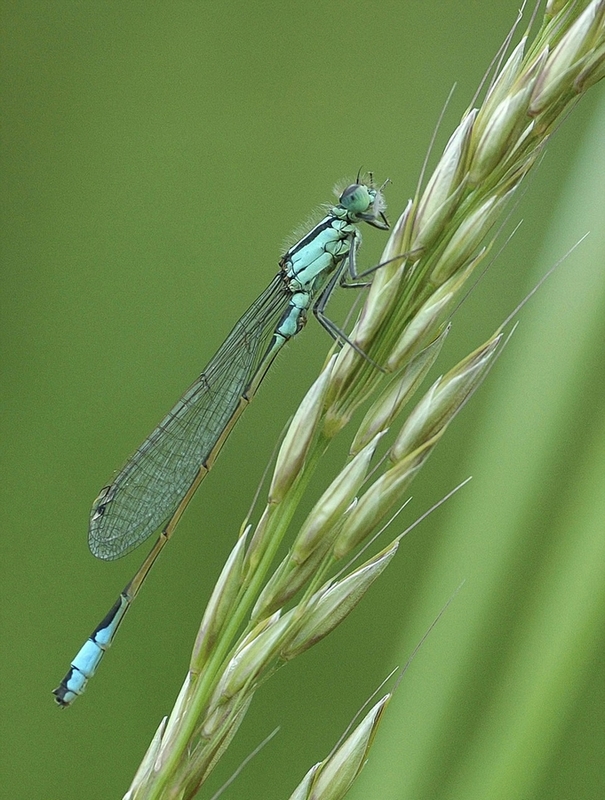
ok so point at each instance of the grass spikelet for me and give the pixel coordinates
(332, 778)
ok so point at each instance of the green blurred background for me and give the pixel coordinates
(155, 158)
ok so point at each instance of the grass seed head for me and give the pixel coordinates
(443, 400)
(466, 239)
(379, 499)
(220, 603)
(297, 441)
(331, 604)
(392, 400)
(335, 775)
(330, 507)
(253, 655)
(445, 187)
(566, 60)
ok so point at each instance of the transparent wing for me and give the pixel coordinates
(148, 490)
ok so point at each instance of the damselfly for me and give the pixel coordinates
(157, 482)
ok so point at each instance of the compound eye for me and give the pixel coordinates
(356, 198)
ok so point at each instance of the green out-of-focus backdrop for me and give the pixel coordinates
(155, 158)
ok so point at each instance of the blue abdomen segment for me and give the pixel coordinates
(86, 661)
(295, 317)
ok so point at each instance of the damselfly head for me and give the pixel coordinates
(363, 201)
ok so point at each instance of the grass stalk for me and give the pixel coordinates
(435, 248)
